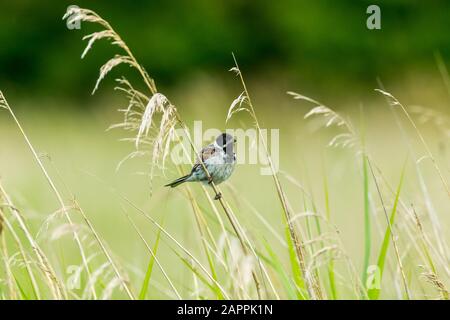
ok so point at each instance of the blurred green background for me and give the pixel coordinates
(321, 46)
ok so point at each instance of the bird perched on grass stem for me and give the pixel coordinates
(219, 159)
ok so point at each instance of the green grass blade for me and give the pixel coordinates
(148, 274)
(331, 276)
(198, 274)
(213, 273)
(375, 292)
(367, 228)
(277, 265)
(295, 266)
(22, 291)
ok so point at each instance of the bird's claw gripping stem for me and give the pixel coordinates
(218, 196)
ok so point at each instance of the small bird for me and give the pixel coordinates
(219, 159)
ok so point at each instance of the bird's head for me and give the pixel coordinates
(226, 142)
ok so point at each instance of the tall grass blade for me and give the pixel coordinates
(277, 265)
(148, 274)
(295, 267)
(330, 267)
(391, 231)
(367, 227)
(375, 292)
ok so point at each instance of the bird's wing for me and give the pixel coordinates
(205, 154)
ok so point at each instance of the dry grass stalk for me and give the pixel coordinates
(1, 224)
(347, 139)
(435, 223)
(64, 210)
(102, 246)
(168, 235)
(355, 280)
(157, 103)
(28, 263)
(423, 245)
(53, 283)
(395, 103)
(154, 257)
(393, 235)
(6, 259)
(432, 273)
(5, 104)
(434, 280)
(236, 106)
(438, 119)
(177, 243)
(75, 14)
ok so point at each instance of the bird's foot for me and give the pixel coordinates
(218, 196)
(210, 180)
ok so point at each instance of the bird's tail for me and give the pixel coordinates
(177, 182)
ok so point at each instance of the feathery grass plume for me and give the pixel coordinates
(432, 213)
(431, 266)
(237, 104)
(53, 283)
(109, 289)
(3, 103)
(64, 209)
(109, 65)
(434, 280)
(395, 103)
(413, 234)
(232, 265)
(331, 117)
(143, 109)
(139, 116)
(438, 119)
(50, 182)
(75, 14)
(332, 239)
(390, 234)
(244, 103)
(348, 139)
(62, 230)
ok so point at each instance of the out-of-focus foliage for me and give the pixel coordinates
(325, 42)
